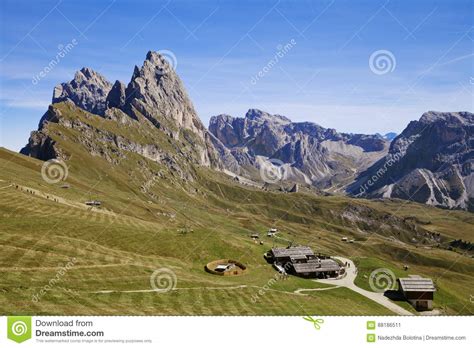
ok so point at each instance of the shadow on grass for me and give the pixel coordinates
(394, 295)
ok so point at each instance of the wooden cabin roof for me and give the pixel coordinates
(417, 284)
(314, 266)
(293, 252)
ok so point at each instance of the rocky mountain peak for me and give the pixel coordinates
(259, 115)
(155, 93)
(156, 90)
(311, 153)
(452, 117)
(431, 162)
(116, 97)
(88, 90)
(388, 136)
(160, 63)
(89, 73)
(221, 117)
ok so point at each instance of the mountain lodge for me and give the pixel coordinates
(418, 291)
(302, 261)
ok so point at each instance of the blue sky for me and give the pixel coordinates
(220, 46)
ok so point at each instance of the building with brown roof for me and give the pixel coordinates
(302, 261)
(418, 291)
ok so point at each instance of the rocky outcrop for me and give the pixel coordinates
(88, 90)
(430, 162)
(157, 91)
(365, 220)
(307, 152)
(40, 144)
(226, 158)
(116, 97)
(154, 92)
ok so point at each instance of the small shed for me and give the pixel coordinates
(418, 291)
(224, 267)
(271, 232)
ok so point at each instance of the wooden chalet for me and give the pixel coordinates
(302, 261)
(418, 291)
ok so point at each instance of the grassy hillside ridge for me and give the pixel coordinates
(172, 214)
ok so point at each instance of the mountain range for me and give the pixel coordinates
(152, 116)
(306, 152)
(125, 181)
(431, 162)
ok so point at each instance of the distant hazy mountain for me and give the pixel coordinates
(431, 161)
(388, 136)
(307, 152)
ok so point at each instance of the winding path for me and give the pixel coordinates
(299, 291)
(233, 287)
(348, 282)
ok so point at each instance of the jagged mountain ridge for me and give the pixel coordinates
(88, 90)
(430, 162)
(310, 153)
(155, 93)
(155, 104)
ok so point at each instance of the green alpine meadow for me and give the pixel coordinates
(122, 200)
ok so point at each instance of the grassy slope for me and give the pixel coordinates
(118, 246)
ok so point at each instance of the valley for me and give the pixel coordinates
(120, 251)
(122, 196)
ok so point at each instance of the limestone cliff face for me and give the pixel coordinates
(431, 162)
(88, 90)
(155, 92)
(308, 152)
(116, 97)
(40, 144)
